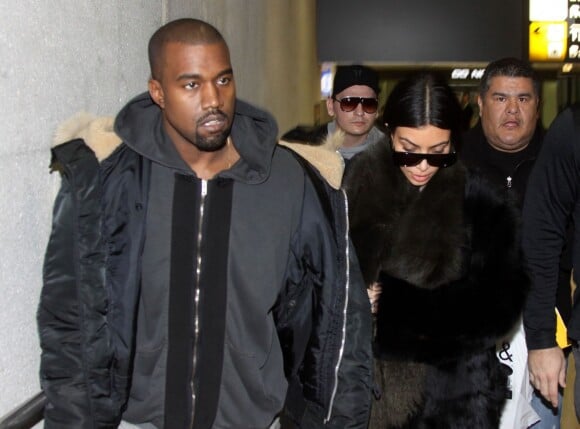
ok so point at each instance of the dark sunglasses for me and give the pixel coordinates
(348, 104)
(409, 159)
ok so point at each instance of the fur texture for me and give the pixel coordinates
(99, 135)
(97, 132)
(324, 157)
(453, 283)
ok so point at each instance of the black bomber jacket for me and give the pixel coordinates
(87, 311)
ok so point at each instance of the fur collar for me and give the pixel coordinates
(97, 132)
(426, 246)
(414, 235)
(324, 157)
(99, 135)
(451, 269)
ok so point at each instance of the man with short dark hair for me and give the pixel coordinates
(198, 275)
(505, 142)
(354, 105)
(504, 146)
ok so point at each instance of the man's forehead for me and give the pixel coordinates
(511, 81)
(201, 53)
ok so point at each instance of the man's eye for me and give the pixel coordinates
(190, 85)
(224, 81)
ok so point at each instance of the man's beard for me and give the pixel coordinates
(214, 142)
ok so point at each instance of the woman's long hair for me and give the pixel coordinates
(424, 99)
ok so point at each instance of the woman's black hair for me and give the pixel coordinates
(424, 99)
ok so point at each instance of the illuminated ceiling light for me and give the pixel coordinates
(567, 67)
(548, 10)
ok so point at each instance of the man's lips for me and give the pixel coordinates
(511, 124)
(212, 122)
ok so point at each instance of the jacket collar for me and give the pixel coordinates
(325, 157)
(97, 132)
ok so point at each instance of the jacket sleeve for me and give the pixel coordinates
(61, 369)
(75, 369)
(327, 320)
(551, 198)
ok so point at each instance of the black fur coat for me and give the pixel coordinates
(449, 262)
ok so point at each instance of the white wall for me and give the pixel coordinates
(58, 57)
(63, 56)
(273, 52)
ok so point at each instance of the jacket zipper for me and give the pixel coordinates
(196, 297)
(344, 312)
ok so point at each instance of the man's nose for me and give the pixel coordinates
(512, 105)
(210, 97)
(359, 110)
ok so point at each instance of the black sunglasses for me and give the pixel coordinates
(410, 159)
(348, 104)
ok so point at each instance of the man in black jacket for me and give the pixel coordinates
(503, 146)
(551, 202)
(197, 274)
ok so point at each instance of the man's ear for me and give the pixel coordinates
(330, 106)
(156, 92)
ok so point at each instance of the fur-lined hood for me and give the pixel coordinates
(99, 134)
(324, 157)
(387, 214)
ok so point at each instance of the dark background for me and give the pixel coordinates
(411, 31)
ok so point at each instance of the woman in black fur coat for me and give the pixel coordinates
(444, 250)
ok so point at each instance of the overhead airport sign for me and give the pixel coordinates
(554, 30)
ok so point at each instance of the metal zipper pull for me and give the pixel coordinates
(508, 182)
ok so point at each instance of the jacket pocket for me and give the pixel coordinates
(260, 373)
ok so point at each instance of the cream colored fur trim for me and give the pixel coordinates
(97, 132)
(325, 157)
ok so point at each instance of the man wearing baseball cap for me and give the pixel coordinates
(353, 105)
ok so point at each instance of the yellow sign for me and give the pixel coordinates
(548, 41)
(561, 331)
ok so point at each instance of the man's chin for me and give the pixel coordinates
(358, 131)
(212, 143)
